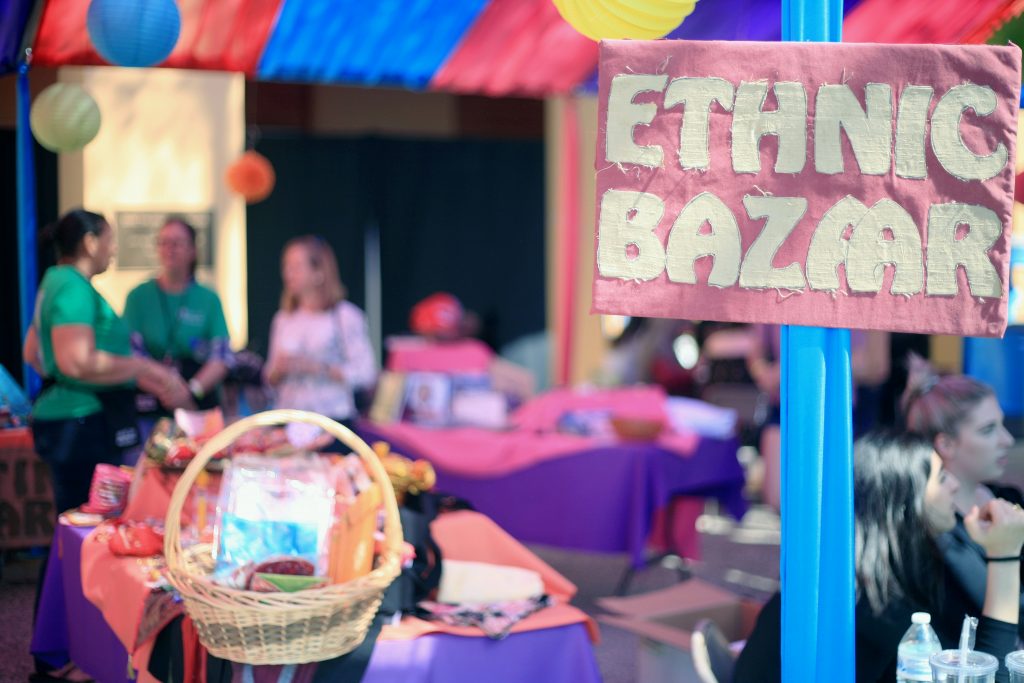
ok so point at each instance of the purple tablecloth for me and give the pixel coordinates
(68, 625)
(601, 499)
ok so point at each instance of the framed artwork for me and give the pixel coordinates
(136, 237)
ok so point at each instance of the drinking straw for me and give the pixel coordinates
(966, 644)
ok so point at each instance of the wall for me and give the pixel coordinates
(166, 139)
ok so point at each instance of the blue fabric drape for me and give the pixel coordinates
(817, 463)
(385, 42)
(14, 16)
(27, 275)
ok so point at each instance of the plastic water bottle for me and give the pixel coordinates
(918, 644)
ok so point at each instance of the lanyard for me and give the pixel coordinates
(172, 326)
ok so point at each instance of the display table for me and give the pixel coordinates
(587, 493)
(553, 645)
(26, 500)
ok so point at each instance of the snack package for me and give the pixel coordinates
(108, 492)
(274, 506)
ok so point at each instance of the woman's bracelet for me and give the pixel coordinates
(196, 388)
(1004, 558)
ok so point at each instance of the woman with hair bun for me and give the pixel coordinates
(86, 414)
(961, 418)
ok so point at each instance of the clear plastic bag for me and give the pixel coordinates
(274, 507)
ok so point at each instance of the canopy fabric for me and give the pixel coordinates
(222, 35)
(13, 17)
(958, 21)
(518, 47)
(489, 47)
(385, 42)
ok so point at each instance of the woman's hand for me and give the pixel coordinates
(998, 527)
(296, 364)
(166, 384)
(303, 365)
(176, 394)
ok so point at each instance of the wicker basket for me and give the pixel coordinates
(279, 628)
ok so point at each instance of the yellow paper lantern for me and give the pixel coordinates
(636, 19)
(64, 118)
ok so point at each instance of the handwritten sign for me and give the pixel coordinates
(863, 186)
(26, 501)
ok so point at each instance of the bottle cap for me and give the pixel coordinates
(921, 618)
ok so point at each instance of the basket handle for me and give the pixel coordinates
(272, 418)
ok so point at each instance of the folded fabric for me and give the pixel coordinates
(465, 582)
(136, 539)
(692, 415)
(496, 620)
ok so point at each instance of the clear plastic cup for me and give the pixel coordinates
(976, 667)
(1015, 664)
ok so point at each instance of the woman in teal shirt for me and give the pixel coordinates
(178, 321)
(85, 415)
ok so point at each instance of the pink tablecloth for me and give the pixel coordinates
(471, 452)
(416, 354)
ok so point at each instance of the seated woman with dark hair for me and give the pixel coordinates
(903, 501)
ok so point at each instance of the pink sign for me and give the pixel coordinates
(840, 185)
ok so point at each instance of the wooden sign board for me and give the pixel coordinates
(26, 500)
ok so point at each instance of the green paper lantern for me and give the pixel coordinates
(64, 118)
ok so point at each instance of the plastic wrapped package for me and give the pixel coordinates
(274, 507)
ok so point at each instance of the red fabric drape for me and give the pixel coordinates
(518, 47)
(935, 21)
(226, 35)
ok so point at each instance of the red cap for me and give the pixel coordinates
(439, 315)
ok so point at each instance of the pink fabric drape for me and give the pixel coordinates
(569, 235)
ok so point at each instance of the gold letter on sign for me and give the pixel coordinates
(828, 246)
(946, 252)
(624, 115)
(750, 123)
(947, 143)
(686, 244)
(696, 96)
(870, 133)
(870, 251)
(782, 213)
(910, 131)
(630, 218)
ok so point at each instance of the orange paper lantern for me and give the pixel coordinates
(251, 176)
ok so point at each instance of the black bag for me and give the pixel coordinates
(415, 583)
(121, 416)
(148, 404)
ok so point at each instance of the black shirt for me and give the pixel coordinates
(878, 637)
(965, 559)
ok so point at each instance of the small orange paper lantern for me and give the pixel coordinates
(251, 176)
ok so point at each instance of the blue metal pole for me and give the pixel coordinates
(817, 463)
(26, 187)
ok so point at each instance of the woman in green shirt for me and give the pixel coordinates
(178, 321)
(85, 415)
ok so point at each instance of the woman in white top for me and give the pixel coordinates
(320, 350)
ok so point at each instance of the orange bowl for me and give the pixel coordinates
(637, 428)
